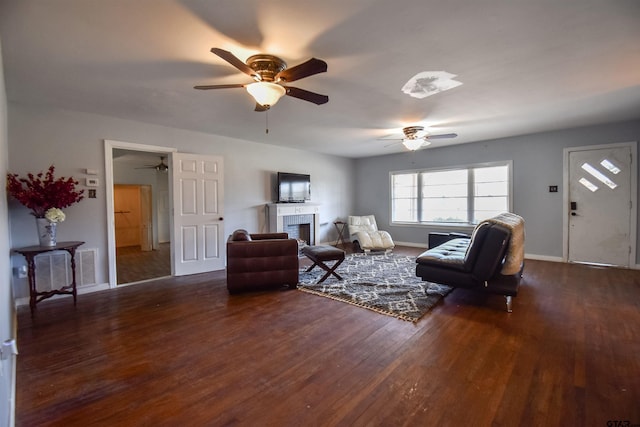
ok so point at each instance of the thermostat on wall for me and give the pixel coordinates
(92, 182)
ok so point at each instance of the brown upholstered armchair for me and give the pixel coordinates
(261, 261)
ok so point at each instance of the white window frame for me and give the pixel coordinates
(507, 163)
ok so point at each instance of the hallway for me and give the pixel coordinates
(135, 265)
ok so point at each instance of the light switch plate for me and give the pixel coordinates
(92, 182)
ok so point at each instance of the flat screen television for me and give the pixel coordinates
(293, 187)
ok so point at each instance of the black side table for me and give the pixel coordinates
(30, 253)
(340, 226)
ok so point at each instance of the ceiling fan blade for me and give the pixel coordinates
(260, 107)
(306, 95)
(442, 136)
(306, 69)
(160, 167)
(235, 61)
(207, 87)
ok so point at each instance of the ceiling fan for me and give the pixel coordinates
(415, 137)
(271, 75)
(160, 167)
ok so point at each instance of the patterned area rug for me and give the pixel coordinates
(386, 284)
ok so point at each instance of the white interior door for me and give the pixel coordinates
(198, 232)
(600, 206)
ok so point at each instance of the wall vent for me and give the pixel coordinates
(54, 271)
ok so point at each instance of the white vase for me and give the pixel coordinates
(46, 232)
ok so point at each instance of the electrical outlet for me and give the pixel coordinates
(553, 189)
(92, 194)
(21, 272)
(9, 347)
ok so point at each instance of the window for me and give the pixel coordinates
(405, 197)
(462, 195)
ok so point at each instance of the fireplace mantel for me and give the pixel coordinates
(278, 211)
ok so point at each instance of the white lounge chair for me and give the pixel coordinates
(363, 231)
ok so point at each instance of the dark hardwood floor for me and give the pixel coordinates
(182, 351)
(135, 265)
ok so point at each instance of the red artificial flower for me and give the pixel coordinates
(40, 194)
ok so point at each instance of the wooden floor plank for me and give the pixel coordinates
(183, 351)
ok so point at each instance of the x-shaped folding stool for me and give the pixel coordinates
(322, 254)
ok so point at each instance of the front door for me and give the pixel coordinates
(198, 230)
(600, 186)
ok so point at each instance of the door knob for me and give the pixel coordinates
(574, 214)
(221, 219)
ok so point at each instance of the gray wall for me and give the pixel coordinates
(537, 163)
(73, 141)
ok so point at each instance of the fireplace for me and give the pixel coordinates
(299, 220)
(299, 227)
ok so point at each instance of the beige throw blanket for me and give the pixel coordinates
(515, 251)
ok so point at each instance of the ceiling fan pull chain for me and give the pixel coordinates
(266, 113)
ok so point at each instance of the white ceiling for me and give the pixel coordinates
(526, 65)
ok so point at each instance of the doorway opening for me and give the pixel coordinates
(138, 212)
(138, 255)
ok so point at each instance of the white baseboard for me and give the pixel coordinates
(412, 244)
(543, 257)
(87, 289)
(561, 259)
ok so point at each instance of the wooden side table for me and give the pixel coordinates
(340, 226)
(30, 253)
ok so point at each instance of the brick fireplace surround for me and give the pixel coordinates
(299, 220)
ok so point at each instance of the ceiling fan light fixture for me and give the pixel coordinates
(414, 144)
(266, 93)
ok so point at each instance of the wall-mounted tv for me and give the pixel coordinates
(293, 187)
